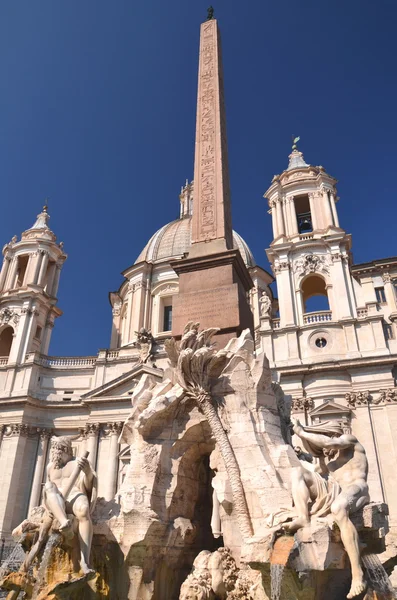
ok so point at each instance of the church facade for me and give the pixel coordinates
(337, 362)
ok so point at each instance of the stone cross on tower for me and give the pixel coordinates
(212, 215)
(213, 279)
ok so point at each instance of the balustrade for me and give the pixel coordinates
(317, 317)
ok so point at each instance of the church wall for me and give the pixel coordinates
(387, 455)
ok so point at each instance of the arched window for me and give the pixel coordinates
(6, 337)
(314, 294)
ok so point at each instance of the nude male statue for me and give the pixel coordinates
(337, 485)
(81, 499)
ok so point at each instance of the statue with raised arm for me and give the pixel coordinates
(337, 485)
(71, 488)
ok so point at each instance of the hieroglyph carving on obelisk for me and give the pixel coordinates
(211, 209)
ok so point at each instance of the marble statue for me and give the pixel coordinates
(337, 485)
(71, 489)
(265, 304)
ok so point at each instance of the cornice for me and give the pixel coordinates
(354, 363)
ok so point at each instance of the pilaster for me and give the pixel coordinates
(113, 431)
(44, 436)
(17, 457)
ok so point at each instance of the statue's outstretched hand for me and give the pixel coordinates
(296, 426)
(84, 465)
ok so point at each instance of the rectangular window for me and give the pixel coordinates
(380, 295)
(39, 330)
(388, 331)
(303, 214)
(167, 325)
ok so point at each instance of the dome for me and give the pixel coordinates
(173, 241)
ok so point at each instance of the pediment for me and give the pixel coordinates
(122, 386)
(330, 409)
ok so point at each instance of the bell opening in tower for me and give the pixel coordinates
(303, 214)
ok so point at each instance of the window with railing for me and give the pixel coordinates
(380, 295)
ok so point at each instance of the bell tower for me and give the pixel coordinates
(29, 280)
(310, 255)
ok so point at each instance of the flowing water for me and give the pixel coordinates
(13, 561)
(53, 541)
(376, 575)
(276, 576)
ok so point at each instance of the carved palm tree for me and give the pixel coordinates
(197, 365)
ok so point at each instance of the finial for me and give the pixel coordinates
(45, 207)
(295, 141)
(210, 13)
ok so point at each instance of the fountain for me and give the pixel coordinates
(205, 511)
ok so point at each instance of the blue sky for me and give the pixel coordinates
(97, 111)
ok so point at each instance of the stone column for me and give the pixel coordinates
(35, 495)
(51, 277)
(12, 273)
(313, 211)
(285, 294)
(333, 208)
(92, 433)
(327, 209)
(294, 220)
(28, 333)
(341, 290)
(55, 283)
(287, 220)
(389, 292)
(43, 268)
(114, 430)
(4, 271)
(280, 219)
(114, 340)
(17, 459)
(39, 258)
(274, 218)
(45, 342)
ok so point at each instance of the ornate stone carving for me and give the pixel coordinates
(133, 287)
(114, 428)
(91, 429)
(43, 433)
(168, 289)
(70, 525)
(265, 304)
(8, 316)
(302, 404)
(144, 343)
(214, 575)
(323, 441)
(389, 395)
(310, 263)
(197, 366)
(16, 429)
(281, 266)
(354, 399)
(386, 277)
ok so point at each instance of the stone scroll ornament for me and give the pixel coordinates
(197, 365)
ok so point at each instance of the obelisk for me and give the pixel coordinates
(211, 223)
(213, 278)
